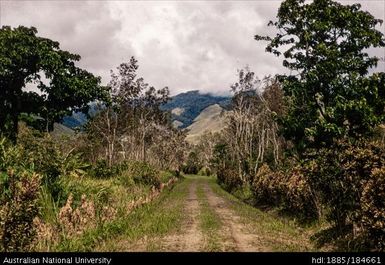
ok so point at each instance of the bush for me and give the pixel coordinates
(229, 179)
(42, 151)
(143, 173)
(268, 186)
(102, 170)
(350, 179)
(289, 190)
(370, 220)
(204, 171)
(20, 187)
(50, 162)
(192, 165)
(299, 197)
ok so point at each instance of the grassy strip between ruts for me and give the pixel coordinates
(154, 219)
(210, 223)
(276, 233)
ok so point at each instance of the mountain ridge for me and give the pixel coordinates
(192, 103)
(184, 108)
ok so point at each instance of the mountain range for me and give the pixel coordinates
(190, 110)
(185, 107)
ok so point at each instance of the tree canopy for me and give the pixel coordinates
(25, 58)
(330, 91)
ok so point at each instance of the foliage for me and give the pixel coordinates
(24, 57)
(372, 213)
(299, 196)
(50, 161)
(143, 173)
(221, 157)
(268, 186)
(128, 126)
(349, 179)
(102, 170)
(331, 94)
(229, 179)
(204, 171)
(20, 187)
(43, 153)
(251, 132)
(169, 149)
(192, 165)
(289, 190)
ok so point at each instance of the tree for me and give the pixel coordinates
(169, 148)
(25, 57)
(137, 103)
(102, 129)
(252, 130)
(331, 94)
(129, 123)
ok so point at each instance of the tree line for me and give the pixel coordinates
(311, 142)
(57, 187)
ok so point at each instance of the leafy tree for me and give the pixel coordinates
(192, 165)
(130, 122)
(330, 91)
(25, 57)
(138, 103)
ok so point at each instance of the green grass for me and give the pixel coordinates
(277, 233)
(153, 220)
(143, 229)
(210, 222)
(165, 176)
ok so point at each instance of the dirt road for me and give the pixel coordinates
(197, 215)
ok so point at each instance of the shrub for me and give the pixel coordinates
(204, 171)
(19, 193)
(370, 220)
(229, 179)
(41, 151)
(268, 186)
(349, 178)
(192, 165)
(18, 208)
(299, 197)
(102, 170)
(143, 173)
(339, 173)
(287, 189)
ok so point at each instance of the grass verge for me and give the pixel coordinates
(210, 223)
(276, 233)
(154, 219)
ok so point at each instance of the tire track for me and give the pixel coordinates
(237, 237)
(190, 239)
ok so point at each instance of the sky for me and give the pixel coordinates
(185, 45)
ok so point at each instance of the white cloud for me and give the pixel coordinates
(181, 44)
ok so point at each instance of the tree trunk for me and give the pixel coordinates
(144, 147)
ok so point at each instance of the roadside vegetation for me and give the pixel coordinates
(305, 150)
(210, 223)
(65, 191)
(310, 144)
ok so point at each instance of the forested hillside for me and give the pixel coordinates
(191, 104)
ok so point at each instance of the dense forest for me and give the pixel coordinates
(307, 147)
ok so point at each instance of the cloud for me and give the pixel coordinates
(185, 45)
